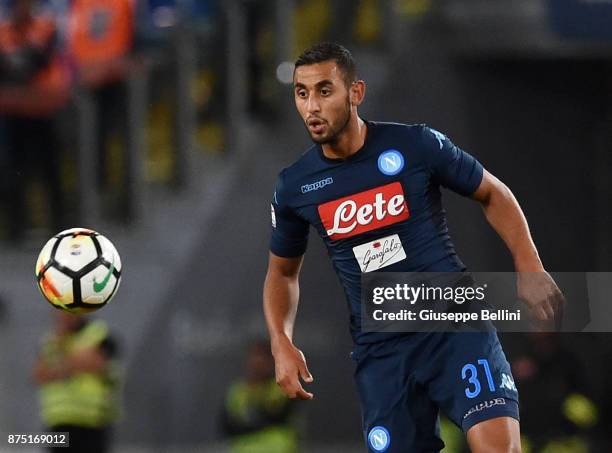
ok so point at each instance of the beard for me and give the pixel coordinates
(334, 132)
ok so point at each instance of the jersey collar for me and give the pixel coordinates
(357, 154)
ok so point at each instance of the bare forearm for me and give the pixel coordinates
(506, 217)
(534, 285)
(281, 296)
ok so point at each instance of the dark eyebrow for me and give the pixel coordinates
(320, 84)
(323, 83)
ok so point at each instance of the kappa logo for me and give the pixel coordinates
(439, 136)
(390, 162)
(317, 185)
(364, 211)
(273, 215)
(507, 382)
(485, 405)
(379, 439)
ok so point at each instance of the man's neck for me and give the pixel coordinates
(349, 142)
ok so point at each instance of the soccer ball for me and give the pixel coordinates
(78, 270)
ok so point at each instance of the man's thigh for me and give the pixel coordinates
(398, 415)
(470, 379)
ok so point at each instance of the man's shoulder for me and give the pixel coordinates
(308, 162)
(421, 138)
(304, 163)
(290, 176)
(414, 131)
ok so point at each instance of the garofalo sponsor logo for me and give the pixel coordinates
(485, 405)
(317, 185)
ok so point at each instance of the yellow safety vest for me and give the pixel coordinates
(280, 438)
(83, 399)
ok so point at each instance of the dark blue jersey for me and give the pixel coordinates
(380, 210)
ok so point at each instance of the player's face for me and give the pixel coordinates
(322, 99)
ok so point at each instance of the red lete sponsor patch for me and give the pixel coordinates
(364, 211)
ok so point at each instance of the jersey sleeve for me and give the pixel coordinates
(451, 167)
(289, 231)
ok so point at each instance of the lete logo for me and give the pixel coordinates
(364, 211)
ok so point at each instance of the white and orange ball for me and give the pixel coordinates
(78, 270)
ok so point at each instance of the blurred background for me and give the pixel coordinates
(163, 124)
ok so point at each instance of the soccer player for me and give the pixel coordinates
(365, 182)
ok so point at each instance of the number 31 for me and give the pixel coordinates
(470, 372)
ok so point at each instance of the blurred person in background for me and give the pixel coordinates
(34, 87)
(257, 417)
(99, 42)
(560, 412)
(78, 384)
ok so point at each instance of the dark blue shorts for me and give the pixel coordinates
(404, 382)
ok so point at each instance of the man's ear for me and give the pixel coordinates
(357, 92)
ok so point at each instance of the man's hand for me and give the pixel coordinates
(541, 294)
(290, 365)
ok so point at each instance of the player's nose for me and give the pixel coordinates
(313, 105)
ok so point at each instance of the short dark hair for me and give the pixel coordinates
(326, 51)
